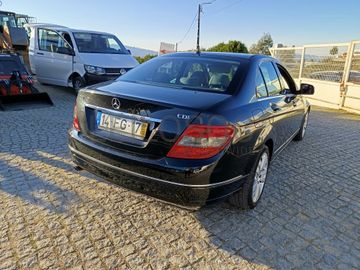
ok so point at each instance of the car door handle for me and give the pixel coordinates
(40, 53)
(274, 107)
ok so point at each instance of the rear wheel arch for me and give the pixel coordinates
(244, 197)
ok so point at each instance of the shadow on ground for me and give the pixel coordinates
(32, 187)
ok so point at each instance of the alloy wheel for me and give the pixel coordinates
(260, 177)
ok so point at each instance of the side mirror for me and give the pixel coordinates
(65, 50)
(306, 89)
(129, 51)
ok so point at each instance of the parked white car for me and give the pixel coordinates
(68, 57)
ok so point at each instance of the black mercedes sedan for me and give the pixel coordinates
(191, 128)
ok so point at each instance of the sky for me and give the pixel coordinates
(146, 23)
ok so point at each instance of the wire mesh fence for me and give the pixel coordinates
(325, 63)
(354, 74)
(322, 62)
(290, 58)
(334, 70)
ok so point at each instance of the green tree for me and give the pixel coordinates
(232, 46)
(334, 50)
(145, 58)
(263, 45)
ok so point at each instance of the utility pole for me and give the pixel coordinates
(198, 30)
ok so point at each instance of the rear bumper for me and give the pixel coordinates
(158, 182)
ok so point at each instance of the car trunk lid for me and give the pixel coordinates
(166, 111)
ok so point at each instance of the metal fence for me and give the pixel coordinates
(334, 70)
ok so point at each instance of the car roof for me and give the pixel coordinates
(220, 55)
(64, 28)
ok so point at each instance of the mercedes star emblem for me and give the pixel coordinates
(115, 102)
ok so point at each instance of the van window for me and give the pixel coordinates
(67, 37)
(99, 43)
(113, 44)
(50, 41)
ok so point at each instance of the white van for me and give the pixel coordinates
(68, 57)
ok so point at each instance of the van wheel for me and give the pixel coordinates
(249, 195)
(78, 83)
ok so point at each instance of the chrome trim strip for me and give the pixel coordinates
(123, 114)
(270, 97)
(282, 147)
(229, 181)
(277, 96)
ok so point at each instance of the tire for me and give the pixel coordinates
(78, 83)
(250, 194)
(301, 134)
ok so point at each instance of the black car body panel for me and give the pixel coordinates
(143, 165)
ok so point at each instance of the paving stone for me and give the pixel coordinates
(53, 217)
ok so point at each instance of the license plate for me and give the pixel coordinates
(123, 126)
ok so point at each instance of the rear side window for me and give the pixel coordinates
(271, 78)
(186, 72)
(260, 85)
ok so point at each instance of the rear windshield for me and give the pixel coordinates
(8, 66)
(186, 72)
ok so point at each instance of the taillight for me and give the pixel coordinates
(202, 141)
(76, 120)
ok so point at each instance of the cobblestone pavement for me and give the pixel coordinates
(52, 217)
